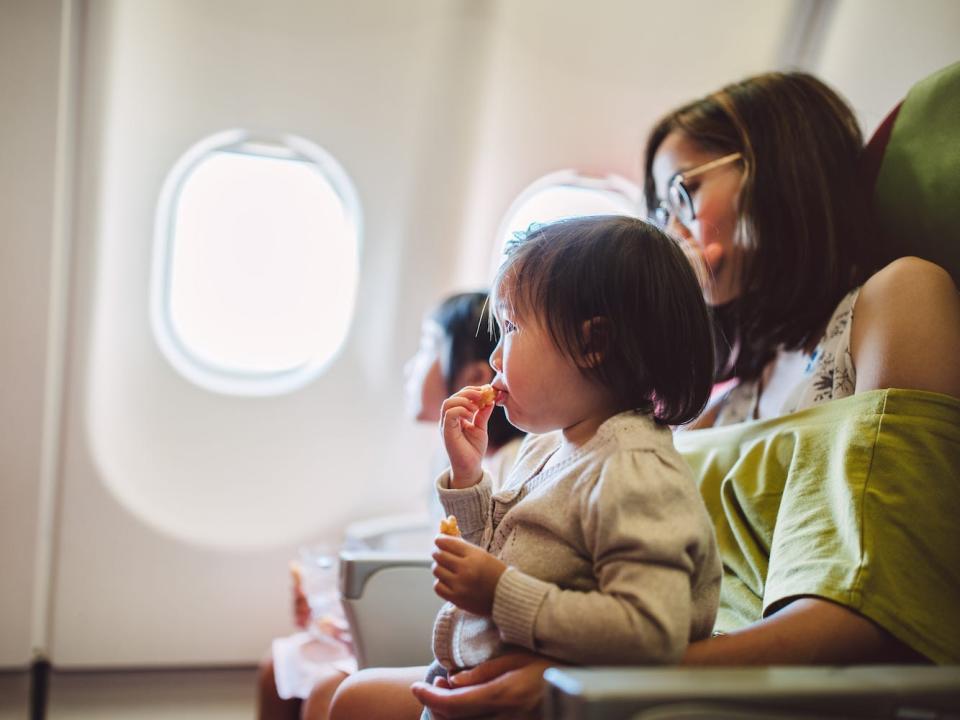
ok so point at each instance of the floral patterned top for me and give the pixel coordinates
(827, 374)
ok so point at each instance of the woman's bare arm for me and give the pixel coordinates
(808, 631)
(906, 329)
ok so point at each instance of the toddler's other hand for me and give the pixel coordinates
(463, 424)
(465, 575)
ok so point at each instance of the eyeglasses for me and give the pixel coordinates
(679, 203)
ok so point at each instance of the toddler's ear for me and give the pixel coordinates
(595, 336)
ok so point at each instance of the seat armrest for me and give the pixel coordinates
(357, 567)
(859, 691)
(389, 602)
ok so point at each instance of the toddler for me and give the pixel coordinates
(598, 549)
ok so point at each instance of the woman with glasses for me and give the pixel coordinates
(760, 182)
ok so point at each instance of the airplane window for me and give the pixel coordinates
(255, 264)
(567, 194)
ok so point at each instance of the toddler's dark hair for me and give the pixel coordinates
(460, 317)
(639, 292)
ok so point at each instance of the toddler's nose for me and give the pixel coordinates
(496, 358)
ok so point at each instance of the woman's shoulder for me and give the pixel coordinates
(904, 271)
(906, 329)
(907, 291)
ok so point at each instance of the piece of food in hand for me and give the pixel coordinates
(488, 395)
(296, 572)
(449, 526)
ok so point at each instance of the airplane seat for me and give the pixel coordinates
(913, 162)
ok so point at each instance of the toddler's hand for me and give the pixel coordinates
(463, 423)
(301, 608)
(465, 575)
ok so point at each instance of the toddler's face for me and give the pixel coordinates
(710, 236)
(543, 389)
(425, 389)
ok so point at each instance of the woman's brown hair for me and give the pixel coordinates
(802, 207)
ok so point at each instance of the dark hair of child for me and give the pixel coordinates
(634, 285)
(467, 340)
(803, 209)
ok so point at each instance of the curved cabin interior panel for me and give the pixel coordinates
(195, 387)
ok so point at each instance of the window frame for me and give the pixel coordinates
(200, 372)
(610, 183)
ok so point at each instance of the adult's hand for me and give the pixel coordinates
(510, 686)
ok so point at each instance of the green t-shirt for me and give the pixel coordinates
(856, 501)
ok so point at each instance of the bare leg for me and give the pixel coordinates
(269, 704)
(317, 706)
(378, 694)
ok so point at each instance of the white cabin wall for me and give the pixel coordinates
(578, 85)
(29, 65)
(162, 75)
(874, 51)
(181, 507)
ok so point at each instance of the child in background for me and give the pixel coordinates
(598, 548)
(453, 352)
